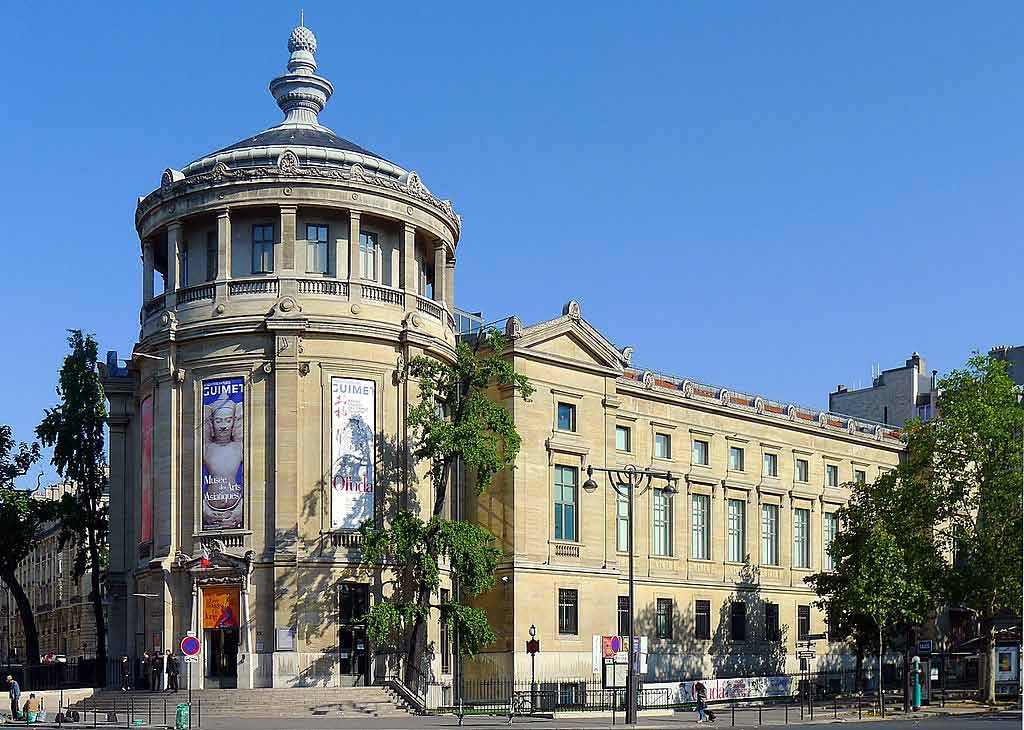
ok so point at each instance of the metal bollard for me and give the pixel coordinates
(165, 712)
(787, 713)
(835, 709)
(759, 714)
(734, 714)
(149, 713)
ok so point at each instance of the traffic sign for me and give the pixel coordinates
(191, 659)
(924, 646)
(814, 637)
(189, 646)
(805, 655)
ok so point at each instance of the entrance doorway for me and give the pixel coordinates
(353, 648)
(222, 658)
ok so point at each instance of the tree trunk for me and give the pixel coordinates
(97, 610)
(988, 690)
(417, 640)
(28, 621)
(858, 677)
(907, 648)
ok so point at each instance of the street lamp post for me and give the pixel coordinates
(626, 481)
(532, 645)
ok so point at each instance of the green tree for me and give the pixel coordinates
(884, 586)
(21, 517)
(75, 430)
(881, 583)
(972, 456)
(454, 423)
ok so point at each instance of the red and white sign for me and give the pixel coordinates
(190, 646)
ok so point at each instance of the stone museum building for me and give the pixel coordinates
(261, 418)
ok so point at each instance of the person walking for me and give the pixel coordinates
(126, 674)
(172, 672)
(15, 693)
(700, 693)
(156, 665)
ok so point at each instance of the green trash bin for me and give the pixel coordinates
(181, 719)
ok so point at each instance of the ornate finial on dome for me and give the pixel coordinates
(300, 93)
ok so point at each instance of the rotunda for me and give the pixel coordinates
(287, 278)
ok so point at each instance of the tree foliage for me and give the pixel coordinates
(454, 422)
(21, 517)
(950, 513)
(75, 429)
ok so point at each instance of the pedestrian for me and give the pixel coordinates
(144, 671)
(31, 708)
(15, 693)
(172, 672)
(126, 674)
(156, 665)
(700, 693)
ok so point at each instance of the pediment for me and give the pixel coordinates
(571, 340)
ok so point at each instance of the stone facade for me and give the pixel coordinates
(288, 262)
(294, 263)
(572, 364)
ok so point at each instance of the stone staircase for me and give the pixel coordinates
(294, 703)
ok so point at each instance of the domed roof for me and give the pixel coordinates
(301, 95)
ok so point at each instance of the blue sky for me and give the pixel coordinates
(770, 196)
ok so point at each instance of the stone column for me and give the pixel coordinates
(449, 282)
(175, 247)
(440, 259)
(223, 244)
(285, 254)
(247, 661)
(196, 674)
(147, 270)
(408, 269)
(355, 273)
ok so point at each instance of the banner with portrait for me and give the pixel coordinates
(223, 453)
(353, 436)
(146, 487)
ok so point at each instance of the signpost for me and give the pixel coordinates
(190, 649)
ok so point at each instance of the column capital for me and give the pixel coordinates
(176, 225)
(409, 227)
(224, 212)
(354, 213)
(288, 208)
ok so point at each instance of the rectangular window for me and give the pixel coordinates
(622, 439)
(663, 619)
(803, 471)
(211, 255)
(623, 615)
(568, 611)
(701, 527)
(446, 641)
(621, 524)
(566, 417)
(831, 475)
(662, 446)
(771, 465)
(803, 622)
(700, 453)
(702, 620)
(801, 538)
(830, 528)
(738, 622)
(316, 249)
(565, 502)
(860, 476)
(771, 622)
(737, 530)
(769, 534)
(735, 458)
(368, 255)
(661, 523)
(262, 249)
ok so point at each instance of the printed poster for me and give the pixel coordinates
(220, 607)
(146, 531)
(223, 453)
(353, 429)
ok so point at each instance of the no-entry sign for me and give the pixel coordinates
(190, 646)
